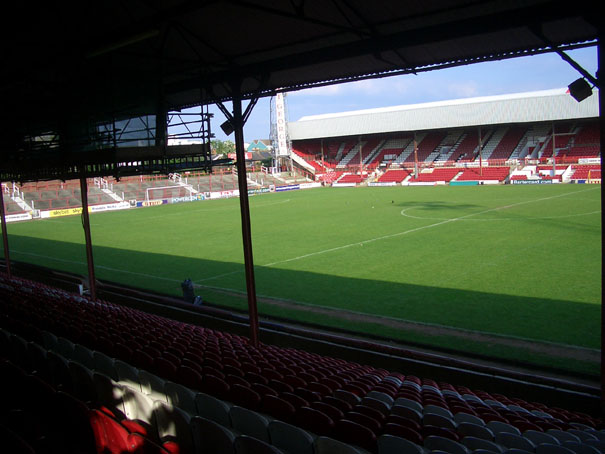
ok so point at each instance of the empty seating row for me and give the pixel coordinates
(484, 173)
(327, 396)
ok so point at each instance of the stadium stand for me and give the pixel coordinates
(436, 175)
(584, 172)
(505, 147)
(393, 176)
(65, 358)
(484, 174)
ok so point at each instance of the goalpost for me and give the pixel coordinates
(183, 191)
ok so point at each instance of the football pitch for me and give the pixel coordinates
(512, 262)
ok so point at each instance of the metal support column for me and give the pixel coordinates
(7, 258)
(92, 282)
(600, 67)
(238, 121)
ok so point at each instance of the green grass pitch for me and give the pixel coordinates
(517, 261)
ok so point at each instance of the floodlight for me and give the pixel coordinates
(227, 127)
(580, 89)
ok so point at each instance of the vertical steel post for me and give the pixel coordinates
(602, 138)
(92, 282)
(7, 258)
(480, 153)
(238, 125)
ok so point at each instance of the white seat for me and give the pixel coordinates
(327, 445)
(494, 403)
(437, 410)
(390, 444)
(562, 435)
(347, 396)
(436, 443)
(468, 429)
(511, 440)
(289, 438)
(383, 397)
(214, 409)
(432, 419)
(406, 412)
(173, 424)
(250, 423)
(537, 437)
(474, 443)
(467, 417)
(404, 402)
(498, 426)
(139, 407)
(152, 385)
(580, 448)
(598, 444)
(209, 437)
(582, 434)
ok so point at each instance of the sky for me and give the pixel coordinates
(518, 75)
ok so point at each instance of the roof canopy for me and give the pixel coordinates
(68, 65)
(540, 106)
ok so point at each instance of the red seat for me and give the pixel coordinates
(330, 410)
(244, 396)
(278, 407)
(215, 386)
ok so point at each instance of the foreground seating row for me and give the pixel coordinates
(325, 396)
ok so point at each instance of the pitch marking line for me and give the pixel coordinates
(394, 235)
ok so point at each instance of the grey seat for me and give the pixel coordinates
(209, 437)
(390, 444)
(289, 438)
(467, 417)
(127, 374)
(327, 445)
(173, 425)
(152, 385)
(432, 419)
(547, 448)
(498, 427)
(562, 435)
(537, 437)
(105, 364)
(180, 396)
(467, 429)
(580, 448)
(404, 402)
(436, 443)
(214, 409)
(511, 440)
(248, 422)
(474, 443)
(250, 445)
